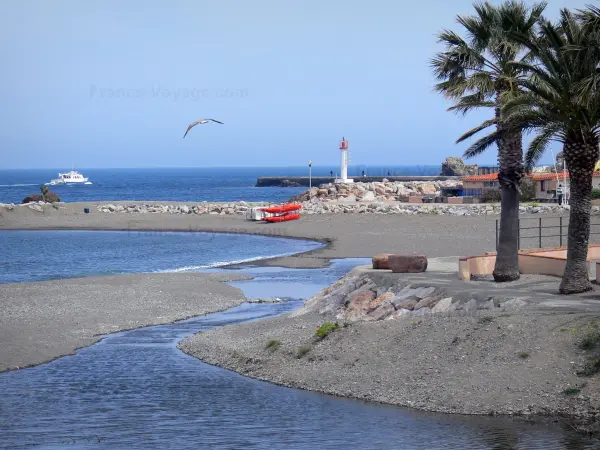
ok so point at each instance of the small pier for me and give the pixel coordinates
(316, 181)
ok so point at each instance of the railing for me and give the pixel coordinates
(549, 232)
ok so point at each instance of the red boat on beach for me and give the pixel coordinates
(283, 208)
(282, 218)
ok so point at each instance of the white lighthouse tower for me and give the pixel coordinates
(344, 166)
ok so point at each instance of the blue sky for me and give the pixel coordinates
(114, 84)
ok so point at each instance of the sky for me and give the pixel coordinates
(115, 84)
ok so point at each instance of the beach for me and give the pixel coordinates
(449, 363)
(45, 320)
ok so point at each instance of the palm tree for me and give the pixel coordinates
(562, 102)
(476, 72)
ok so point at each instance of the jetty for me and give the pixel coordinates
(316, 181)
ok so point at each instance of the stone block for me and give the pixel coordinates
(407, 263)
(380, 261)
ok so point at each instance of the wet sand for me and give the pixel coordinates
(43, 321)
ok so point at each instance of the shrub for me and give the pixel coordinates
(595, 194)
(302, 350)
(491, 196)
(523, 355)
(324, 330)
(592, 367)
(273, 344)
(590, 340)
(47, 196)
(527, 190)
(574, 390)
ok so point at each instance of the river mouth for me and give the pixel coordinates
(135, 389)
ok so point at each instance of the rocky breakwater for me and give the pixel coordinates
(363, 295)
(222, 209)
(376, 191)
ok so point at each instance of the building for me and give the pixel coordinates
(545, 184)
(487, 170)
(476, 185)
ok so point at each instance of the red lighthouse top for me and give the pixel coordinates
(343, 144)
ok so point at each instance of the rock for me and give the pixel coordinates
(359, 303)
(454, 167)
(379, 300)
(443, 305)
(513, 304)
(428, 189)
(35, 207)
(406, 303)
(422, 292)
(421, 312)
(380, 262)
(368, 196)
(399, 314)
(407, 263)
(322, 192)
(184, 209)
(470, 306)
(382, 312)
(427, 302)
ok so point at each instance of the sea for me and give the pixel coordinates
(193, 184)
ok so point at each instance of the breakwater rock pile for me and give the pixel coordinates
(202, 208)
(377, 191)
(316, 206)
(361, 296)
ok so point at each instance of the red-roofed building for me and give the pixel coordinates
(545, 184)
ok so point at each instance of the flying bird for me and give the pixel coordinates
(197, 122)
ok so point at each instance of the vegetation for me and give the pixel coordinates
(538, 77)
(46, 196)
(561, 101)
(477, 72)
(590, 340)
(491, 196)
(302, 350)
(324, 330)
(527, 190)
(273, 344)
(595, 194)
(573, 390)
(592, 367)
(524, 355)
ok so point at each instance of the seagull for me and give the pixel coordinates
(197, 122)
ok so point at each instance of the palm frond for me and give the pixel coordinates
(471, 102)
(538, 146)
(477, 129)
(481, 145)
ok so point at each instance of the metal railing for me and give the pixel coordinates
(549, 232)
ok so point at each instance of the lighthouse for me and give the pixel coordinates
(344, 166)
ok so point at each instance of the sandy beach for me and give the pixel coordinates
(43, 321)
(452, 363)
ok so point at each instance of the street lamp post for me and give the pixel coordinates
(310, 174)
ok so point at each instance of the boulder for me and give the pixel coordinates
(380, 262)
(405, 303)
(382, 312)
(407, 263)
(379, 300)
(456, 167)
(427, 302)
(368, 196)
(359, 303)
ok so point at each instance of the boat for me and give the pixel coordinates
(282, 218)
(72, 177)
(283, 208)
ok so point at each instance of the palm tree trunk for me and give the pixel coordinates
(510, 160)
(581, 158)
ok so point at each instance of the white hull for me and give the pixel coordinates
(72, 177)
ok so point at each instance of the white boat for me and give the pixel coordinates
(72, 177)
